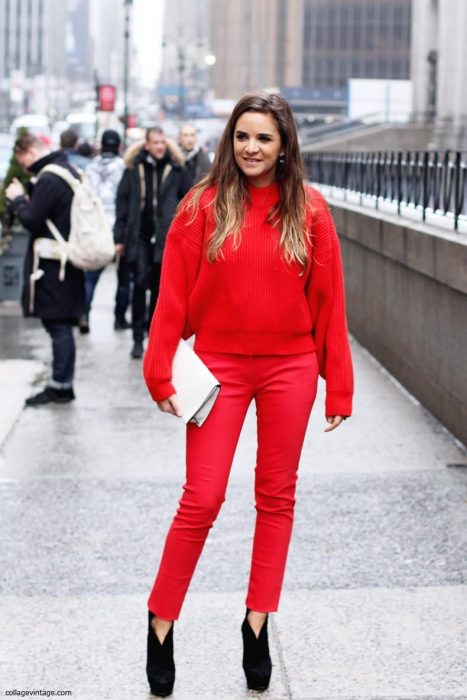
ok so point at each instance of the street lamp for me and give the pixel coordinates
(126, 66)
(181, 80)
(210, 61)
(432, 59)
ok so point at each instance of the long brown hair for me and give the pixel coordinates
(289, 216)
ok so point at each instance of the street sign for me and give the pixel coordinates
(107, 95)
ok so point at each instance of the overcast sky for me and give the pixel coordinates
(147, 28)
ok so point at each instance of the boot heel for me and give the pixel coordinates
(160, 667)
(256, 659)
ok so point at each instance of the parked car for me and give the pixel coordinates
(35, 123)
(84, 123)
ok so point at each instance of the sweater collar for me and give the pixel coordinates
(264, 196)
(56, 157)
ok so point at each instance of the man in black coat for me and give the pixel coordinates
(58, 303)
(153, 183)
(196, 160)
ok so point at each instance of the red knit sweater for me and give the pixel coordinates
(250, 300)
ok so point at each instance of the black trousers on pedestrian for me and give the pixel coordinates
(146, 279)
(63, 352)
(91, 278)
(122, 296)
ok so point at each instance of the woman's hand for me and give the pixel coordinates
(334, 422)
(170, 405)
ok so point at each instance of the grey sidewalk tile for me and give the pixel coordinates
(16, 378)
(118, 441)
(350, 645)
(382, 530)
(64, 536)
(385, 697)
(375, 643)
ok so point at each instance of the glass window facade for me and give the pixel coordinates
(346, 39)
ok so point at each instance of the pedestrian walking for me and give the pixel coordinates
(57, 302)
(253, 269)
(104, 174)
(153, 183)
(69, 143)
(196, 160)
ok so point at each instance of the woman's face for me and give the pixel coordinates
(257, 145)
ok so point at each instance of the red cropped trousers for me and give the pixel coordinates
(284, 389)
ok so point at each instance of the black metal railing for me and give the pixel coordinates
(426, 181)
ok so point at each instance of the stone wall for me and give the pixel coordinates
(407, 303)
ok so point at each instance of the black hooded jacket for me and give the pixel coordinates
(50, 198)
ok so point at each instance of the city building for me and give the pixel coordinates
(23, 32)
(29, 53)
(183, 81)
(344, 39)
(107, 46)
(309, 49)
(257, 44)
(439, 64)
(78, 41)
(44, 46)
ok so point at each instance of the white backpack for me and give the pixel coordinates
(90, 244)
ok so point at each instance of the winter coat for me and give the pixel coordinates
(130, 203)
(50, 198)
(197, 163)
(104, 174)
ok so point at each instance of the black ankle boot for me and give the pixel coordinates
(160, 667)
(256, 659)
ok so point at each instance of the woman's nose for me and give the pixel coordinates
(252, 145)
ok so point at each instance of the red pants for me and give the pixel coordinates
(284, 389)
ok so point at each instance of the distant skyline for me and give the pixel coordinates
(147, 35)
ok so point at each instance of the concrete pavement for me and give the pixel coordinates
(375, 596)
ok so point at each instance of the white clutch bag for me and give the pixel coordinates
(196, 387)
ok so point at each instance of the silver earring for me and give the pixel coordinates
(281, 159)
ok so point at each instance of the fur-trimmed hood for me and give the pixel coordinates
(134, 151)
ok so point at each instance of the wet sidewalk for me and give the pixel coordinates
(375, 595)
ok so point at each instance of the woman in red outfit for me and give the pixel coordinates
(252, 268)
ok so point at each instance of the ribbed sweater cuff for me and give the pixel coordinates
(338, 403)
(161, 391)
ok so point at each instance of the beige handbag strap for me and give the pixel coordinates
(61, 172)
(47, 249)
(62, 243)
